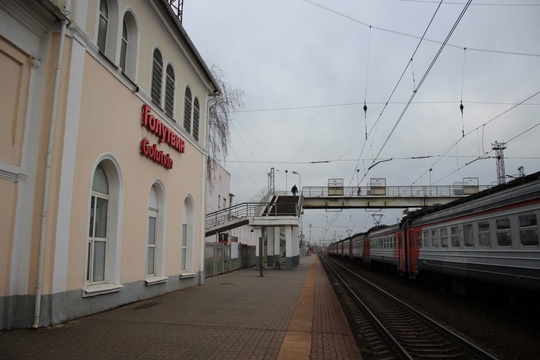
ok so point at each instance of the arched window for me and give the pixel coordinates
(155, 248)
(104, 230)
(196, 116)
(186, 260)
(169, 91)
(97, 234)
(187, 110)
(157, 76)
(107, 26)
(152, 232)
(103, 25)
(128, 46)
(124, 46)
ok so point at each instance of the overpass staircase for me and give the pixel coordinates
(279, 210)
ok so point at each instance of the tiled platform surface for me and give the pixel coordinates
(240, 315)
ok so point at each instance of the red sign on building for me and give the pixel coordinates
(165, 134)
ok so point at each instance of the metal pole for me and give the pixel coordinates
(261, 243)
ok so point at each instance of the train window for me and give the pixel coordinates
(503, 232)
(425, 238)
(444, 237)
(528, 230)
(435, 238)
(483, 234)
(468, 235)
(454, 234)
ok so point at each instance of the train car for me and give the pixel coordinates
(357, 246)
(491, 237)
(380, 245)
(337, 248)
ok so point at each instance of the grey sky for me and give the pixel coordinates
(303, 67)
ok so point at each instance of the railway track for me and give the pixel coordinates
(392, 329)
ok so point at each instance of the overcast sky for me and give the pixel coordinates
(307, 67)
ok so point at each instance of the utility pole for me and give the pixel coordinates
(271, 183)
(499, 147)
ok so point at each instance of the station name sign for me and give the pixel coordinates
(164, 134)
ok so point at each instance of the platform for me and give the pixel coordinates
(239, 315)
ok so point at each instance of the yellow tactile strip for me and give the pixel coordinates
(297, 342)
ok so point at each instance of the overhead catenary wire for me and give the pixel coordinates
(416, 36)
(415, 90)
(426, 73)
(461, 107)
(366, 85)
(394, 90)
(476, 129)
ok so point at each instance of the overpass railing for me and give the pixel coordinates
(393, 191)
(249, 209)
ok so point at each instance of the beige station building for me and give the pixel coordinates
(102, 156)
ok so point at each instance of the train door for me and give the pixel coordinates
(413, 247)
(367, 253)
(350, 249)
(399, 252)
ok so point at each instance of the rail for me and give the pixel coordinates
(393, 191)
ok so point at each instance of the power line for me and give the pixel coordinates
(424, 77)
(476, 129)
(318, 162)
(375, 102)
(415, 36)
(475, 4)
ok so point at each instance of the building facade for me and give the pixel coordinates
(102, 157)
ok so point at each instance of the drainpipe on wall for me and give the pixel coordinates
(37, 305)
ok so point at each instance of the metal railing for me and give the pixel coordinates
(393, 191)
(243, 210)
(218, 259)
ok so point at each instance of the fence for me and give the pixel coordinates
(217, 258)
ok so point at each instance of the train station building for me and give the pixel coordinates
(103, 157)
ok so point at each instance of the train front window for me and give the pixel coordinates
(528, 230)
(503, 232)
(483, 234)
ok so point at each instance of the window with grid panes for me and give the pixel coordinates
(528, 230)
(97, 234)
(196, 117)
(124, 46)
(103, 25)
(503, 232)
(183, 260)
(444, 237)
(187, 110)
(483, 234)
(454, 236)
(425, 239)
(468, 236)
(169, 91)
(435, 238)
(157, 76)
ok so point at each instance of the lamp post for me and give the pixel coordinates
(299, 210)
(299, 180)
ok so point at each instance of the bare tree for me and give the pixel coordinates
(220, 109)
